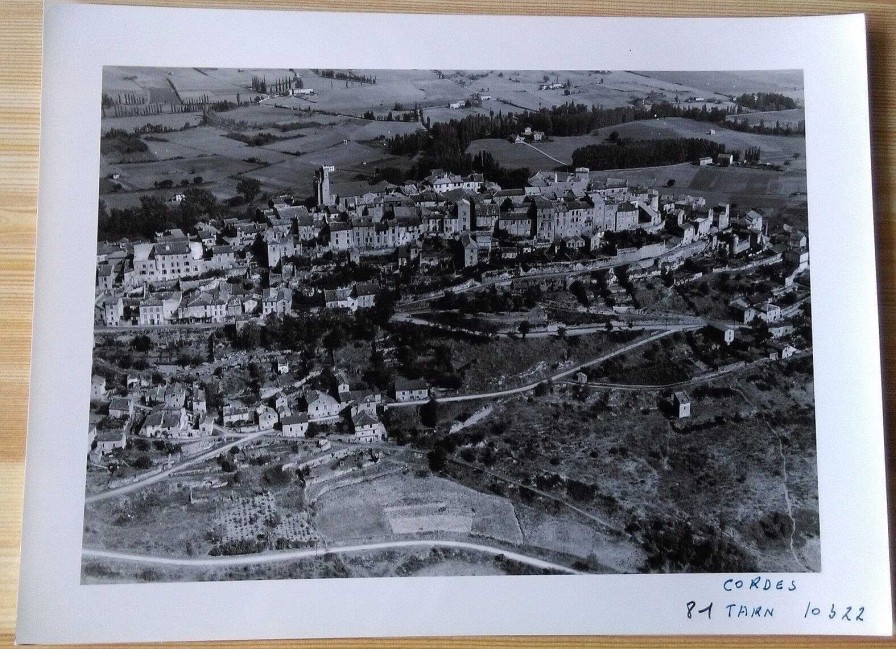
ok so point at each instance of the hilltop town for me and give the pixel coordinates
(583, 372)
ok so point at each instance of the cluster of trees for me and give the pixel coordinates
(258, 139)
(752, 155)
(678, 545)
(799, 128)
(490, 301)
(154, 215)
(644, 153)
(248, 188)
(168, 183)
(278, 86)
(443, 145)
(564, 120)
(276, 475)
(763, 101)
(345, 76)
(121, 141)
(418, 355)
(243, 546)
(330, 329)
(126, 99)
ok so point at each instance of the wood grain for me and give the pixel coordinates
(20, 59)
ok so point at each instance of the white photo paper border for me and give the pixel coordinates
(81, 39)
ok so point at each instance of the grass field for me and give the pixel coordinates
(563, 534)
(173, 121)
(142, 176)
(150, 522)
(191, 83)
(790, 117)
(775, 148)
(786, 82)
(512, 155)
(746, 188)
(383, 506)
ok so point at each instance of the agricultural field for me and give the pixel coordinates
(151, 522)
(723, 84)
(776, 149)
(140, 177)
(167, 84)
(569, 535)
(174, 121)
(537, 156)
(408, 504)
(790, 117)
(742, 187)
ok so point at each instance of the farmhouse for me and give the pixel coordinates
(295, 425)
(368, 428)
(235, 414)
(109, 440)
(411, 390)
(682, 403)
(745, 313)
(266, 417)
(769, 312)
(725, 159)
(278, 301)
(321, 406)
(722, 331)
(164, 423)
(97, 388)
(121, 408)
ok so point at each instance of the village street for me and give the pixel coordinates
(142, 483)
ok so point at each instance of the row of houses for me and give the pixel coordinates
(553, 206)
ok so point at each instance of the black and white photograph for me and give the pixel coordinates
(404, 323)
(495, 326)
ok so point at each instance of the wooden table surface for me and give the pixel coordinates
(20, 58)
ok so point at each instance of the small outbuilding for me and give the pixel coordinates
(682, 403)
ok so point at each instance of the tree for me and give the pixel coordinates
(580, 293)
(142, 343)
(429, 413)
(197, 201)
(333, 340)
(437, 459)
(524, 328)
(249, 188)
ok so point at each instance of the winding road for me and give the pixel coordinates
(158, 477)
(290, 555)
